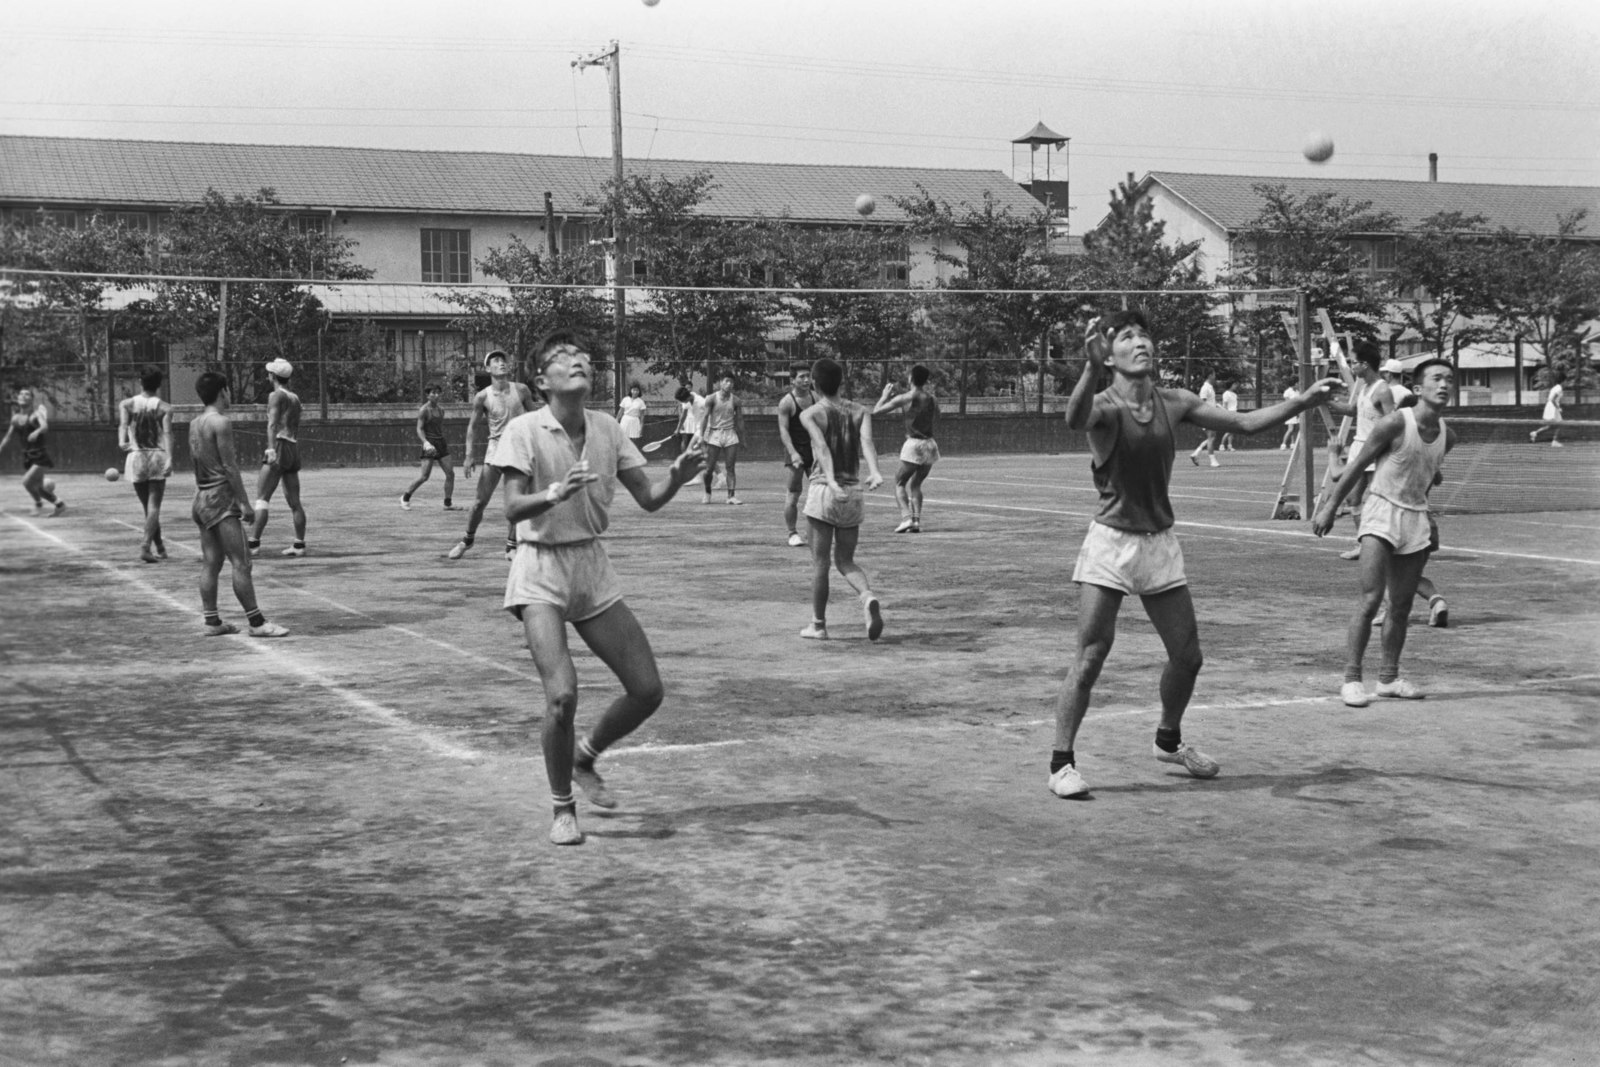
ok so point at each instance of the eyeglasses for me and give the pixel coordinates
(570, 352)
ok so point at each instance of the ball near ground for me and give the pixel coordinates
(112, 474)
(865, 204)
(49, 485)
(1319, 147)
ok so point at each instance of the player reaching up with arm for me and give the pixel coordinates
(920, 451)
(561, 466)
(1130, 548)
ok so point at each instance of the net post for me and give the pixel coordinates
(1303, 343)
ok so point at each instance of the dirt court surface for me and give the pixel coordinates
(332, 849)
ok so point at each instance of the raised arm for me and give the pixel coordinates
(1384, 434)
(1081, 412)
(652, 496)
(869, 452)
(888, 403)
(1212, 417)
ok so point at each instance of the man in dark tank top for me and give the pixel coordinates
(1130, 547)
(920, 451)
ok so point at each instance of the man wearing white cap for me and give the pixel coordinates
(500, 401)
(1394, 373)
(281, 461)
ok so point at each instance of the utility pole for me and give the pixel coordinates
(610, 58)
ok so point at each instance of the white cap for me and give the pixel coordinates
(280, 368)
(1393, 366)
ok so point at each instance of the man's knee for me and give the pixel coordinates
(1091, 659)
(561, 703)
(1189, 660)
(648, 697)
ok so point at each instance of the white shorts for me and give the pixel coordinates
(489, 450)
(147, 465)
(835, 507)
(575, 578)
(1139, 564)
(919, 451)
(721, 438)
(1405, 529)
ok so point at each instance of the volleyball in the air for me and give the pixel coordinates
(1319, 147)
(865, 204)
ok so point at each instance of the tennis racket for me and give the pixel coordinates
(653, 445)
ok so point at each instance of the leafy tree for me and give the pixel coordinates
(1308, 242)
(678, 331)
(514, 317)
(1443, 279)
(47, 321)
(247, 237)
(1129, 251)
(990, 247)
(1547, 289)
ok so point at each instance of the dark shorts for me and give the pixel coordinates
(35, 457)
(440, 449)
(214, 505)
(288, 461)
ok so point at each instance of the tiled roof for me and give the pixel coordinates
(70, 171)
(1232, 203)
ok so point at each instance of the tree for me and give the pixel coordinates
(680, 330)
(515, 316)
(989, 247)
(247, 237)
(1129, 251)
(1443, 279)
(1547, 289)
(1309, 243)
(47, 321)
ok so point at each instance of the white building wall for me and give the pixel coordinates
(390, 245)
(1185, 224)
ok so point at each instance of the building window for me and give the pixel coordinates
(316, 224)
(131, 220)
(447, 255)
(896, 272)
(1383, 253)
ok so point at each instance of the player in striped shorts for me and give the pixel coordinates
(144, 432)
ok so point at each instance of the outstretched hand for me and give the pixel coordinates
(1321, 392)
(576, 478)
(691, 462)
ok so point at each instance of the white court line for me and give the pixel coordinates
(1301, 534)
(279, 583)
(364, 705)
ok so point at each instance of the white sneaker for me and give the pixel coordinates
(1399, 689)
(873, 616)
(458, 551)
(1192, 759)
(1557, 444)
(796, 541)
(221, 630)
(294, 550)
(706, 499)
(1214, 462)
(905, 526)
(564, 830)
(1067, 782)
(1354, 694)
(1439, 613)
(269, 629)
(815, 632)
(405, 505)
(593, 786)
(735, 500)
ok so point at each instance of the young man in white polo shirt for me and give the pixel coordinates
(561, 466)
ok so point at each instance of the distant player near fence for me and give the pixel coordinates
(920, 451)
(497, 403)
(281, 460)
(144, 432)
(1552, 410)
(30, 425)
(435, 449)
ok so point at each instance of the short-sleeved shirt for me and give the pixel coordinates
(535, 444)
(1230, 400)
(1208, 392)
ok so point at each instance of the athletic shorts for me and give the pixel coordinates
(1139, 564)
(147, 465)
(35, 457)
(576, 578)
(1405, 530)
(489, 451)
(797, 475)
(288, 461)
(835, 507)
(212, 506)
(721, 438)
(440, 449)
(919, 451)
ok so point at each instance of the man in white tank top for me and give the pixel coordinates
(1370, 400)
(1408, 447)
(144, 432)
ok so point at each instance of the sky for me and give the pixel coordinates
(1505, 91)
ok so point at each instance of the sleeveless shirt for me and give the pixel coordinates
(502, 407)
(1132, 477)
(920, 415)
(1405, 473)
(797, 429)
(842, 434)
(144, 422)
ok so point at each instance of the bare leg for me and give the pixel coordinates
(617, 638)
(449, 477)
(547, 639)
(1172, 614)
(265, 486)
(423, 471)
(488, 478)
(821, 558)
(1375, 556)
(291, 496)
(1403, 576)
(230, 534)
(732, 452)
(211, 556)
(914, 491)
(1097, 629)
(844, 557)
